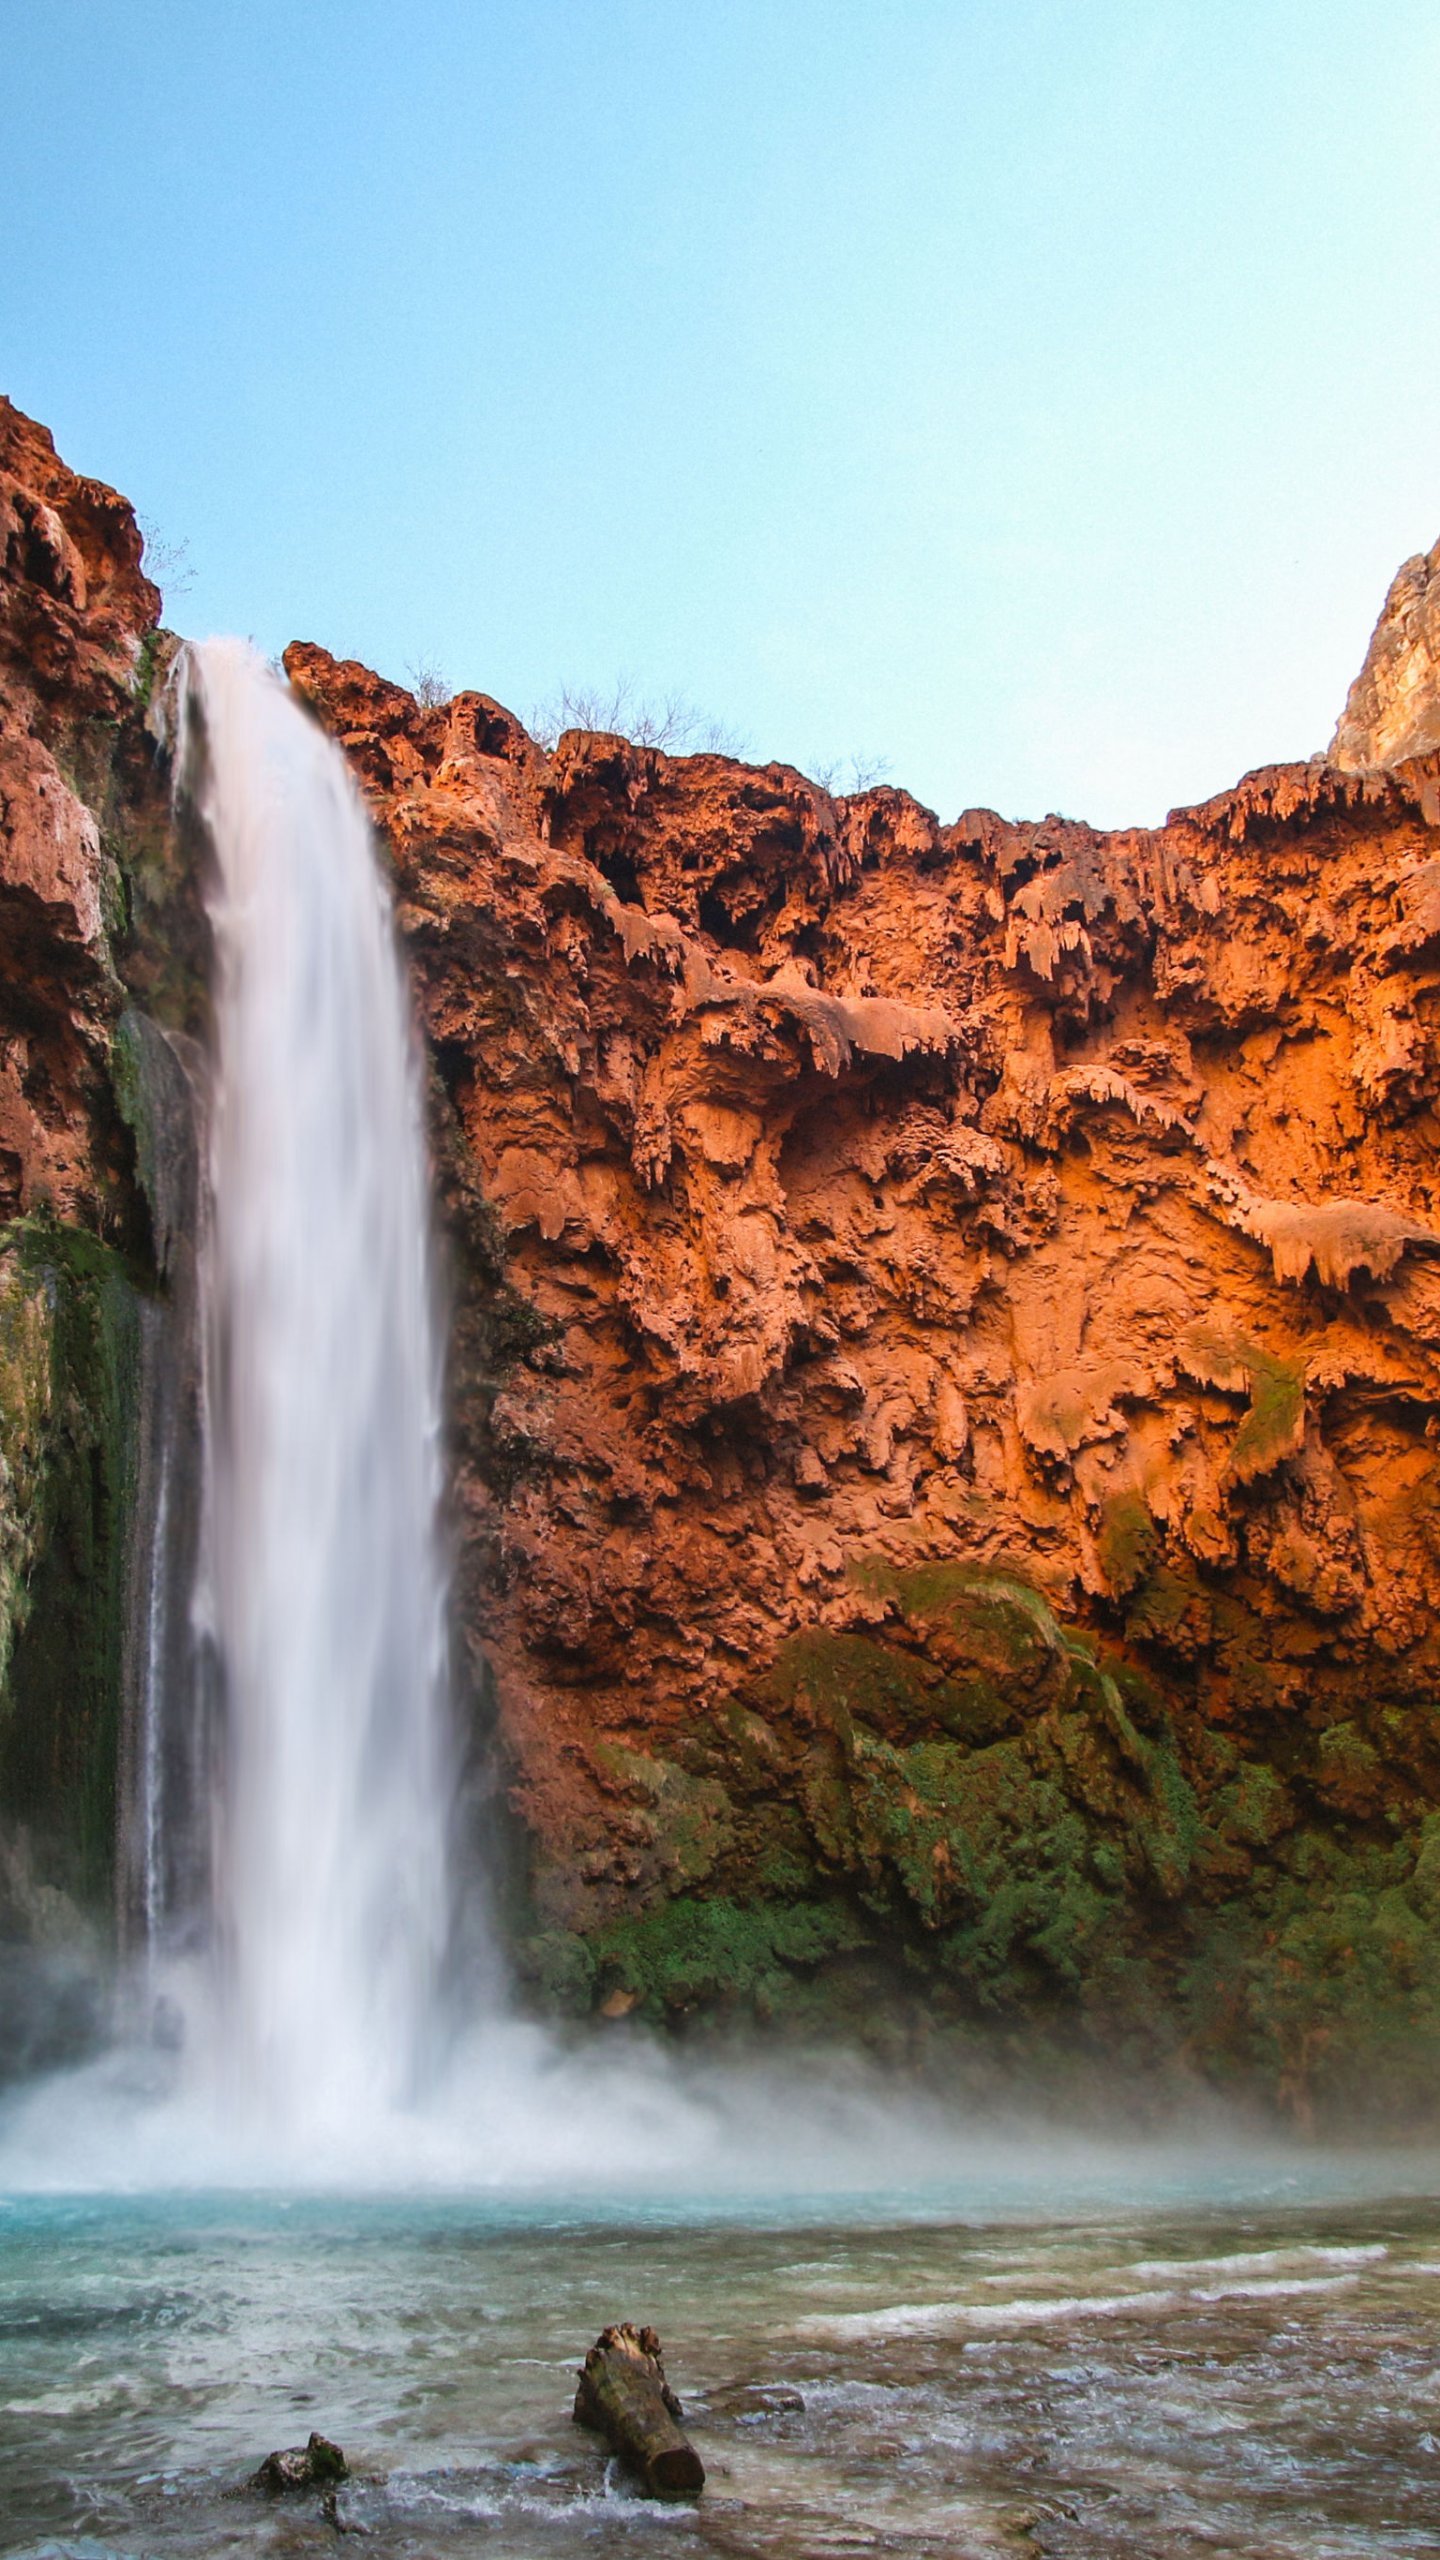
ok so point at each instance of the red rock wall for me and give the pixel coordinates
(74, 605)
(1049, 1208)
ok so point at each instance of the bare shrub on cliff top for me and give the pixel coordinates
(846, 774)
(168, 563)
(670, 723)
(431, 689)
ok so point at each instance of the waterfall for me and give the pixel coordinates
(322, 1577)
(152, 1729)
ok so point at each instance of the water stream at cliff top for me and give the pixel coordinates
(322, 1573)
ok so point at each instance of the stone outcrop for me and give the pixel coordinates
(946, 1371)
(1393, 709)
(74, 606)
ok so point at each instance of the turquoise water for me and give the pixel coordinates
(1163, 2355)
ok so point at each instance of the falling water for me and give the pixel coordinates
(324, 1581)
(152, 1728)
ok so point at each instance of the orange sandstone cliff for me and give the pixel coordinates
(946, 1374)
(949, 1483)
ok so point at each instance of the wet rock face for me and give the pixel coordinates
(947, 1381)
(1393, 710)
(78, 797)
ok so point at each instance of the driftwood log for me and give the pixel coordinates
(625, 2397)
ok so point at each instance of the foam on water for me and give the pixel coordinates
(150, 2351)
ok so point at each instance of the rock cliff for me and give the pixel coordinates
(77, 635)
(949, 1482)
(946, 1374)
(1393, 710)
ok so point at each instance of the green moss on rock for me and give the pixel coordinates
(684, 1821)
(971, 1815)
(690, 1953)
(838, 1681)
(1128, 1544)
(1256, 1809)
(69, 1429)
(1323, 1984)
(1349, 1774)
(1274, 1425)
(26, 1336)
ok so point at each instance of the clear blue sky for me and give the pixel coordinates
(1036, 393)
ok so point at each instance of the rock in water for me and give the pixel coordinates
(316, 2465)
(624, 2396)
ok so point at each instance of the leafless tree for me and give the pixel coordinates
(431, 689)
(167, 562)
(621, 711)
(847, 774)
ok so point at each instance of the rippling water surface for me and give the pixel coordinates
(1256, 2372)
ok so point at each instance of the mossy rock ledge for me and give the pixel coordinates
(972, 1836)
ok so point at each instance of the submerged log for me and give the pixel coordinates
(625, 2397)
(316, 2465)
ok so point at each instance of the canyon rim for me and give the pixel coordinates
(945, 1369)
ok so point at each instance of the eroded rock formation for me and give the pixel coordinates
(968, 1512)
(946, 1379)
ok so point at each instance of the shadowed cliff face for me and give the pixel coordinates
(76, 1258)
(951, 1494)
(103, 960)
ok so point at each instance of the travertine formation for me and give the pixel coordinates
(946, 1381)
(968, 1497)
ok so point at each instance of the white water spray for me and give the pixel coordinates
(323, 1463)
